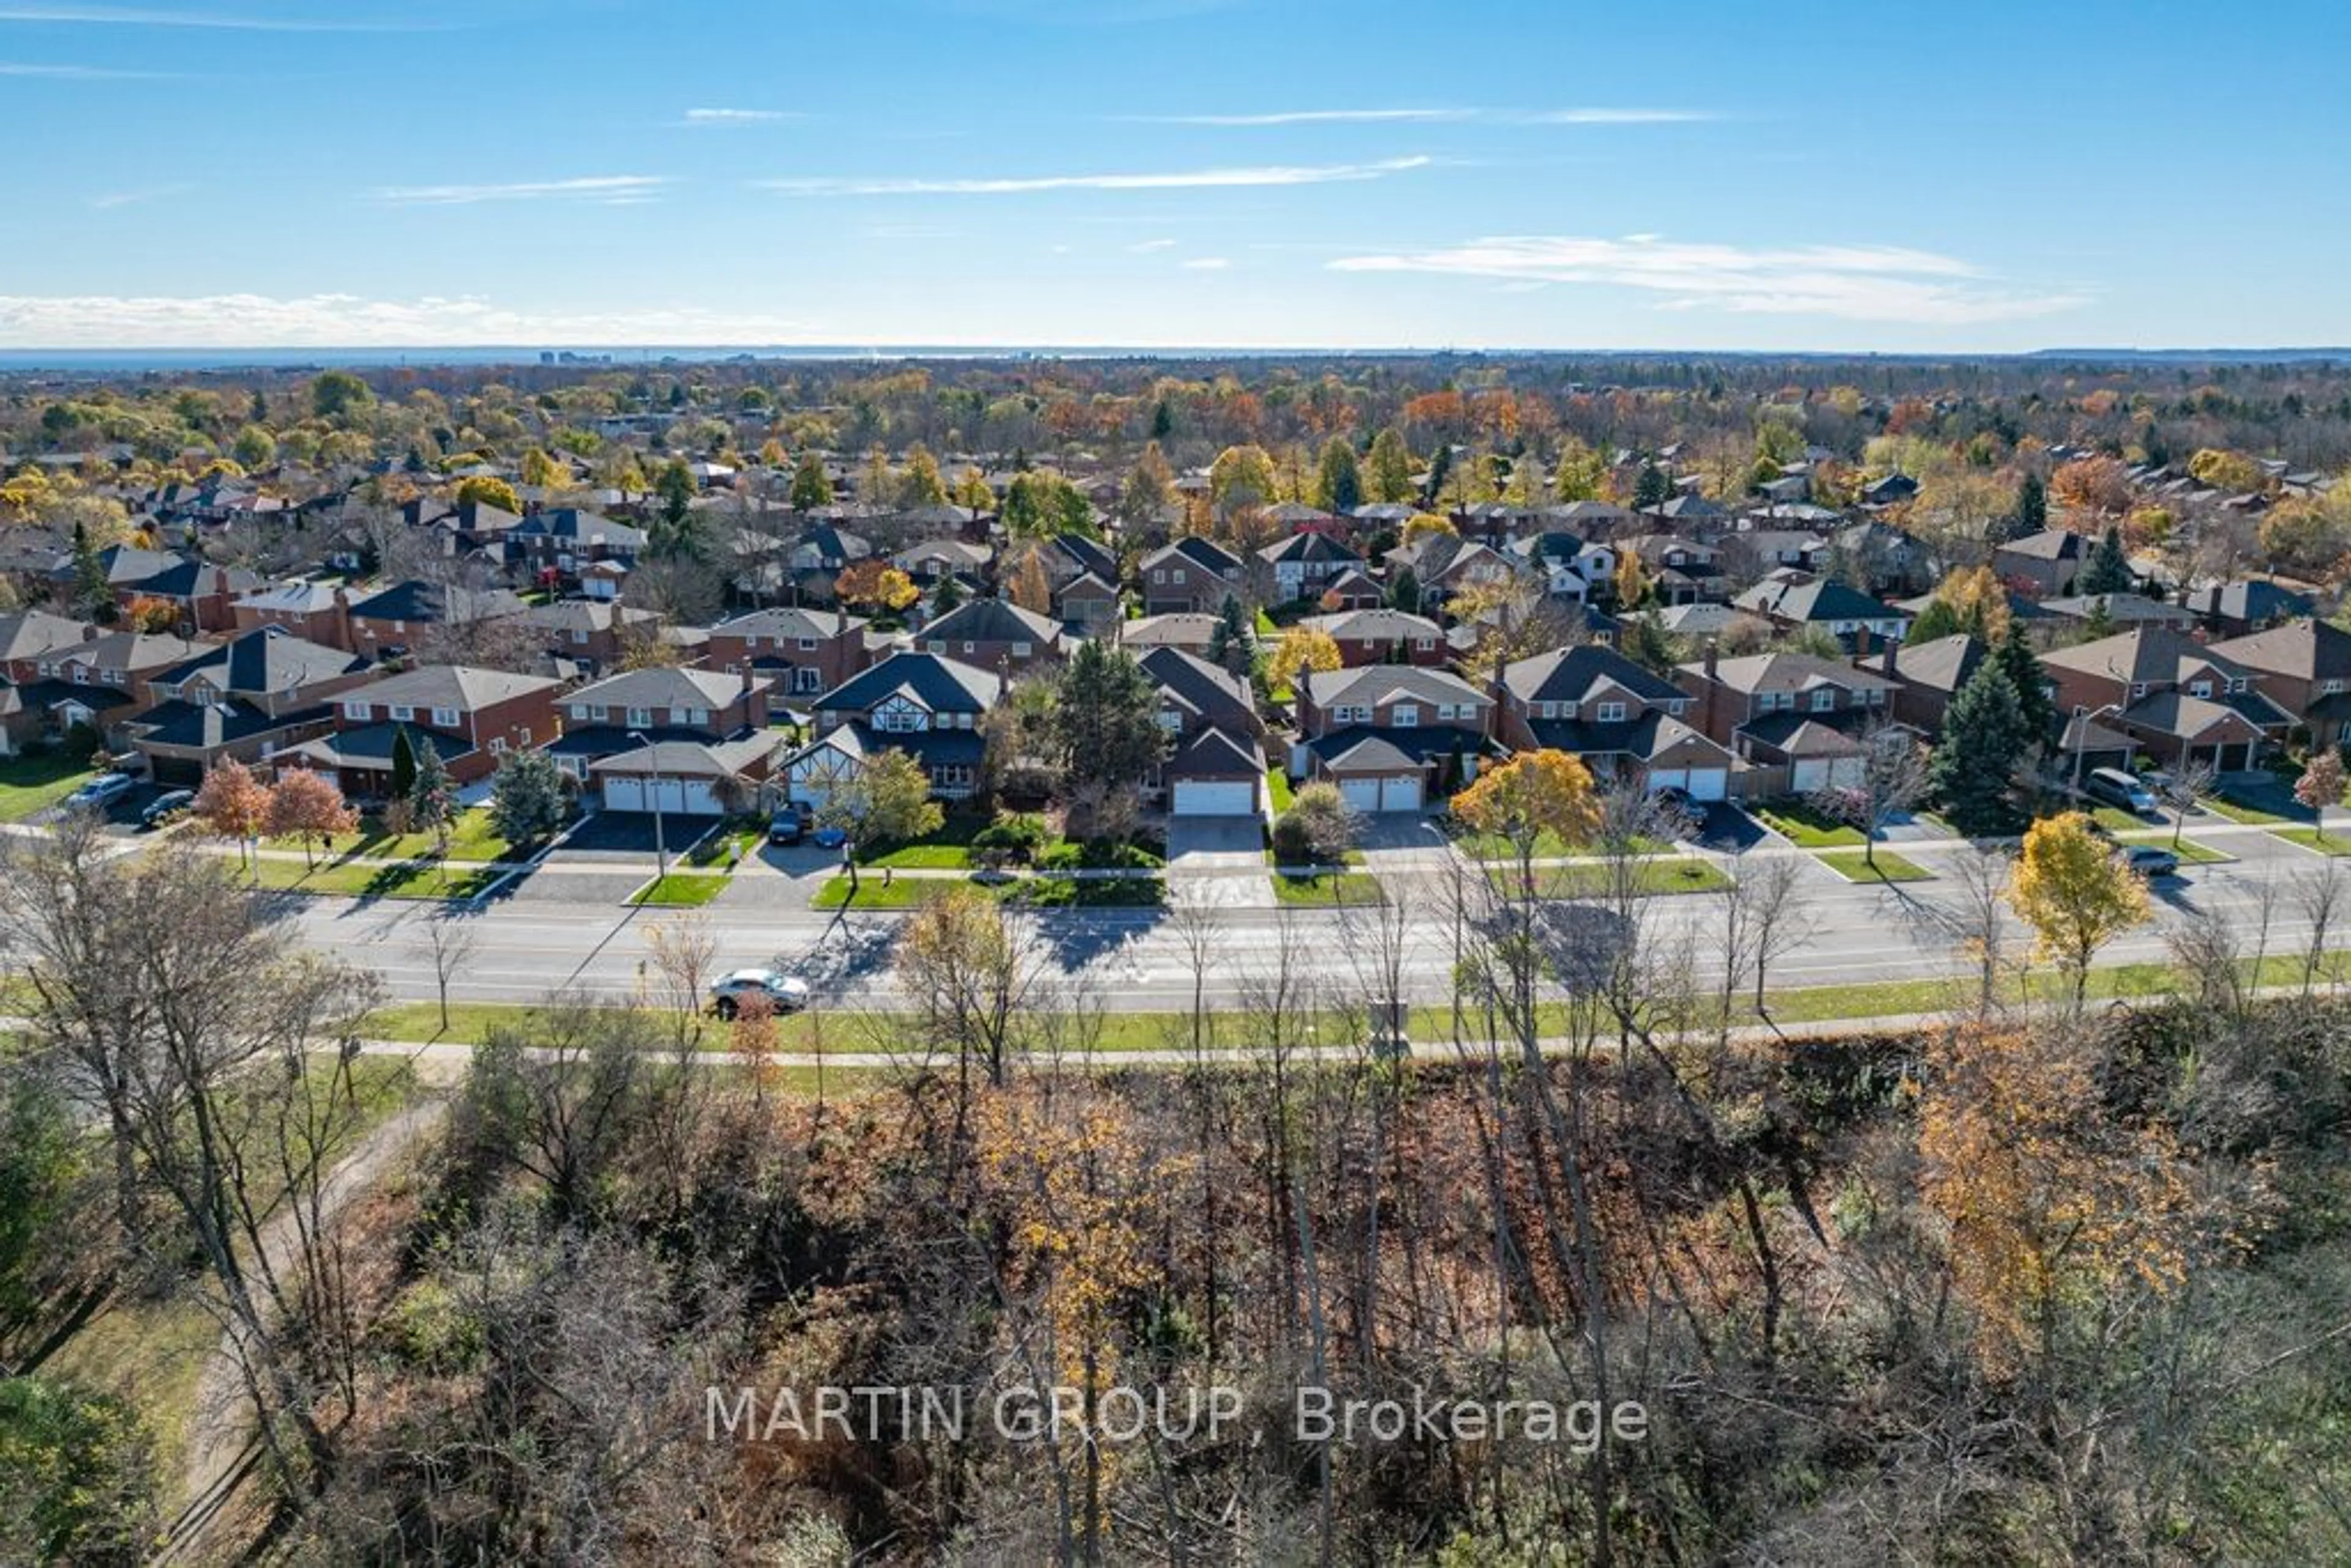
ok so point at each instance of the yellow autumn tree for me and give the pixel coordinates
(2075, 893)
(1029, 586)
(1421, 525)
(1302, 650)
(2042, 1192)
(1537, 800)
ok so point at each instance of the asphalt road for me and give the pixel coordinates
(524, 950)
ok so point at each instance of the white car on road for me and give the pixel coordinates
(784, 993)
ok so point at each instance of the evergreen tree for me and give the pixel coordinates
(1390, 475)
(1403, 591)
(1232, 646)
(1647, 643)
(1938, 620)
(1984, 732)
(947, 595)
(2108, 568)
(1108, 718)
(675, 488)
(432, 798)
(1440, 468)
(810, 487)
(1163, 421)
(1338, 481)
(259, 412)
(403, 764)
(2014, 655)
(527, 798)
(1652, 488)
(92, 596)
(2031, 514)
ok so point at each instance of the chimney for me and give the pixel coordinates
(1886, 656)
(342, 624)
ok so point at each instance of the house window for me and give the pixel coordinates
(2330, 687)
(808, 644)
(579, 713)
(580, 634)
(2138, 688)
(1158, 575)
(1611, 713)
(808, 679)
(402, 715)
(970, 647)
(935, 647)
(498, 746)
(1424, 644)
(357, 712)
(1825, 700)
(522, 736)
(446, 718)
(1546, 710)
(2200, 688)
(641, 717)
(1020, 650)
(898, 721)
(600, 713)
(1177, 578)
(1404, 716)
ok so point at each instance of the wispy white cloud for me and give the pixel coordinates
(1145, 247)
(1206, 264)
(107, 201)
(136, 16)
(343, 320)
(1314, 117)
(1860, 283)
(607, 189)
(1192, 179)
(706, 119)
(77, 73)
(1616, 116)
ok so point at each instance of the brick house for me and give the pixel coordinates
(2304, 668)
(1382, 637)
(2180, 699)
(1624, 721)
(801, 653)
(248, 699)
(1189, 575)
(473, 716)
(1389, 735)
(1797, 719)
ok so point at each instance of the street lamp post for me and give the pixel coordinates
(2083, 715)
(661, 843)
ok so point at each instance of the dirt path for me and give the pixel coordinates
(220, 1440)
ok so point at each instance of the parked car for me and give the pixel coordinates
(784, 993)
(2117, 788)
(165, 806)
(101, 793)
(2151, 861)
(1682, 814)
(786, 827)
(829, 838)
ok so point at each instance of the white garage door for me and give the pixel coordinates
(1806, 776)
(1362, 794)
(624, 794)
(1709, 784)
(1669, 779)
(1400, 795)
(689, 798)
(1215, 797)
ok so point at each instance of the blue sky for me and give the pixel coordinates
(1167, 172)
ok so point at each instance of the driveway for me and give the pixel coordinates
(626, 836)
(1214, 844)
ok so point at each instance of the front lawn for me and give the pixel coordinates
(1806, 827)
(2239, 812)
(874, 893)
(680, 889)
(1328, 888)
(416, 880)
(471, 838)
(949, 849)
(725, 845)
(1551, 847)
(2326, 843)
(2114, 819)
(1663, 875)
(1889, 867)
(30, 784)
(1277, 784)
(1087, 893)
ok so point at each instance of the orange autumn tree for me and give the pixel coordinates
(1537, 800)
(234, 804)
(876, 584)
(2045, 1198)
(308, 806)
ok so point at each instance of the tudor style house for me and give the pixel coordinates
(1796, 721)
(924, 705)
(1190, 574)
(1387, 734)
(2182, 700)
(803, 654)
(473, 716)
(1301, 564)
(1217, 765)
(1625, 722)
(249, 698)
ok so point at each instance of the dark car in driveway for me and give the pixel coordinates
(786, 827)
(165, 806)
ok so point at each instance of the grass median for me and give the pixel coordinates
(1853, 866)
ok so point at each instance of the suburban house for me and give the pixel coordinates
(473, 716)
(101, 680)
(1927, 676)
(1382, 637)
(2235, 609)
(1217, 765)
(27, 640)
(994, 634)
(203, 594)
(924, 705)
(248, 699)
(1390, 735)
(2182, 700)
(2118, 612)
(314, 610)
(1088, 605)
(1304, 563)
(1570, 567)
(1793, 601)
(1189, 575)
(592, 632)
(1625, 722)
(1679, 570)
(1796, 721)
(690, 741)
(2048, 561)
(933, 561)
(554, 546)
(1353, 588)
(390, 621)
(1444, 565)
(802, 653)
(1190, 632)
(2304, 668)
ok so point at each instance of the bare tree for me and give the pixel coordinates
(1770, 890)
(2182, 789)
(1891, 780)
(1981, 919)
(684, 947)
(2319, 896)
(450, 940)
